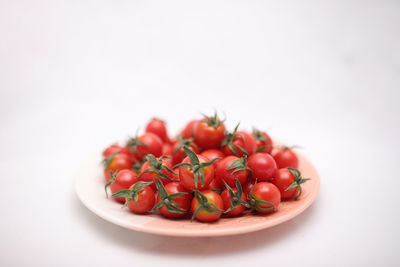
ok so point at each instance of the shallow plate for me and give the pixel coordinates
(89, 186)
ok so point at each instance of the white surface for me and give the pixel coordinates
(76, 75)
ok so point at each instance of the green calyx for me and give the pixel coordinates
(133, 144)
(260, 136)
(204, 204)
(196, 166)
(212, 121)
(156, 165)
(112, 180)
(167, 199)
(240, 165)
(236, 198)
(131, 194)
(183, 142)
(298, 180)
(228, 141)
(255, 204)
(106, 162)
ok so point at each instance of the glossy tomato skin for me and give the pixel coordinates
(152, 176)
(167, 149)
(213, 154)
(213, 198)
(154, 145)
(222, 173)
(157, 127)
(116, 149)
(214, 185)
(182, 201)
(263, 166)
(248, 186)
(261, 143)
(282, 180)
(286, 158)
(123, 180)
(177, 156)
(119, 162)
(244, 140)
(187, 179)
(226, 198)
(187, 132)
(145, 203)
(268, 192)
(206, 136)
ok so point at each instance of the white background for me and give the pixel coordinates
(76, 76)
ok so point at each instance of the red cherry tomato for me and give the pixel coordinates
(286, 158)
(145, 202)
(187, 132)
(167, 149)
(209, 132)
(160, 171)
(213, 154)
(263, 141)
(248, 186)
(123, 180)
(263, 166)
(286, 178)
(230, 175)
(214, 185)
(178, 154)
(116, 162)
(205, 215)
(182, 201)
(245, 141)
(186, 175)
(227, 198)
(157, 127)
(148, 143)
(116, 149)
(265, 191)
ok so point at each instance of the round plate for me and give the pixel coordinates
(89, 187)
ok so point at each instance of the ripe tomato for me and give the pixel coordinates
(157, 127)
(209, 132)
(248, 186)
(265, 197)
(178, 154)
(116, 162)
(190, 169)
(187, 132)
(213, 154)
(286, 158)
(263, 166)
(139, 197)
(147, 143)
(215, 186)
(230, 169)
(207, 206)
(236, 141)
(153, 169)
(263, 141)
(289, 181)
(167, 149)
(173, 200)
(121, 180)
(114, 149)
(234, 200)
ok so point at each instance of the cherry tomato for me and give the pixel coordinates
(229, 173)
(161, 171)
(167, 149)
(242, 139)
(286, 158)
(263, 166)
(187, 178)
(227, 199)
(116, 162)
(157, 127)
(286, 178)
(215, 186)
(209, 132)
(145, 202)
(262, 192)
(147, 143)
(263, 141)
(116, 149)
(187, 132)
(177, 152)
(122, 180)
(182, 201)
(248, 186)
(203, 211)
(213, 154)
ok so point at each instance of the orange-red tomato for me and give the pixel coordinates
(204, 215)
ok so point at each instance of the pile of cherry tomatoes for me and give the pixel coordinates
(205, 172)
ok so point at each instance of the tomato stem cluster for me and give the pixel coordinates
(298, 180)
(167, 199)
(133, 193)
